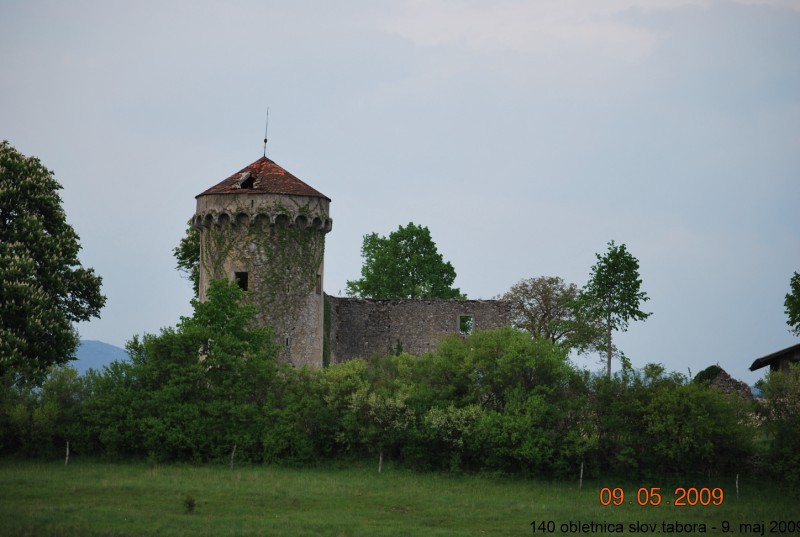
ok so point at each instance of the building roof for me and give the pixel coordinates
(791, 353)
(264, 177)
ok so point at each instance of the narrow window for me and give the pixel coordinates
(286, 342)
(241, 280)
(465, 324)
(319, 284)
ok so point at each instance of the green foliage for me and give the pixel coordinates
(653, 424)
(708, 374)
(792, 304)
(613, 294)
(498, 401)
(44, 287)
(191, 392)
(384, 421)
(406, 264)
(695, 430)
(451, 431)
(115, 404)
(781, 415)
(41, 420)
(187, 255)
(299, 426)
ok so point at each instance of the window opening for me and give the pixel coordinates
(319, 284)
(241, 280)
(466, 323)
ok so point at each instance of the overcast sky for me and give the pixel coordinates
(524, 134)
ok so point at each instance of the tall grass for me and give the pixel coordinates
(136, 499)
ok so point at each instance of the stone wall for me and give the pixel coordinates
(727, 384)
(281, 252)
(365, 328)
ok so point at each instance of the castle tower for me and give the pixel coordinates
(265, 229)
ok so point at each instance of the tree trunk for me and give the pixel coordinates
(380, 462)
(608, 349)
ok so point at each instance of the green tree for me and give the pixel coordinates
(547, 307)
(43, 286)
(651, 423)
(192, 392)
(187, 255)
(530, 397)
(792, 304)
(406, 264)
(299, 426)
(613, 294)
(781, 415)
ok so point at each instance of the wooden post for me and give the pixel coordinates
(737, 486)
(580, 486)
(233, 454)
(380, 462)
(66, 460)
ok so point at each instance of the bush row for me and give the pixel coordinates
(210, 389)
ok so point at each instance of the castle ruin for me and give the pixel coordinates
(265, 229)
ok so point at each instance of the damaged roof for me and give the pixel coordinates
(264, 177)
(791, 354)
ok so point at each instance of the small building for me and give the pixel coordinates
(778, 361)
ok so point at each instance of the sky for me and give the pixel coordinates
(525, 135)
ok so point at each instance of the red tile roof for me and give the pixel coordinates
(265, 177)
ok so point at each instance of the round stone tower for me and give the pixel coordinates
(265, 229)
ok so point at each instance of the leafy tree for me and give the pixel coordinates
(450, 431)
(187, 255)
(115, 401)
(208, 379)
(43, 286)
(383, 421)
(531, 400)
(299, 425)
(792, 304)
(707, 375)
(781, 414)
(192, 392)
(613, 294)
(650, 423)
(406, 264)
(547, 307)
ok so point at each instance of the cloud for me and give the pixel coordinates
(514, 25)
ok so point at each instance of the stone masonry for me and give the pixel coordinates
(265, 229)
(366, 328)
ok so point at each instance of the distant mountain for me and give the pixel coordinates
(95, 354)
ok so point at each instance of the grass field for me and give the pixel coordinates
(137, 499)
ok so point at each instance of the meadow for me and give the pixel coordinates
(91, 498)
